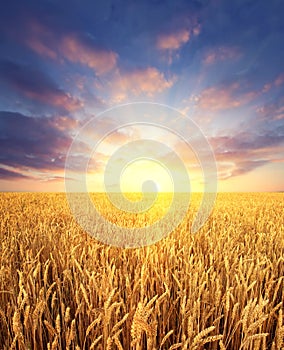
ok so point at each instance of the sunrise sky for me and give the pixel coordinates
(219, 62)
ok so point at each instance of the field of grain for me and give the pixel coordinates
(221, 288)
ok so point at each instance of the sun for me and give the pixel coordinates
(147, 175)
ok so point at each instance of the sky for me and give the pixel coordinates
(219, 62)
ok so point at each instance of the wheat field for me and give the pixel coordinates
(221, 288)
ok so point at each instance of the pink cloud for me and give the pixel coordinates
(148, 81)
(173, 41)
(74, 50)
(196, 30)
(41, 40)
(279, 113)
(42, 49)
(267, 87)
(216, 99)
(56, 99)
(279, 116)
(69, 47)
(227, 97)
(221, 54)
(63, 123)
(278, 81)
(273, 111)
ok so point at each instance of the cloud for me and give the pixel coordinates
(36, 85)
(246, 142)
(220, 54)
(229, 169)
(272, 111)
(173, 41)
(170, 43)
(6, 174)
(36, 147)
(233, 95)
(78, 51)
(148, 81)
(278, 81)
(71, 47)
(248, 166)
(218, 98)
(246, 151)
(41, 40)
(34, 143)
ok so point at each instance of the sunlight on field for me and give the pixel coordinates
(221, 288)
(157, 209)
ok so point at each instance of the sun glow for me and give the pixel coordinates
(147, 176)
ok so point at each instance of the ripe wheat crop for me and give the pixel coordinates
(221, 288)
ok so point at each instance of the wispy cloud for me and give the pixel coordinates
(37, 146)
(71, 47)
(220, 54)
(225, 96)
(78, 51)
(34, 143)
(147, 81)
(246, 151)
(6, 174)
(218, 98)
(278, 81)
(272, 111)
(36, 85)
(173, 41)
(169, 44)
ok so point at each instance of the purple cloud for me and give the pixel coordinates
(37, 86)
(36, 143)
